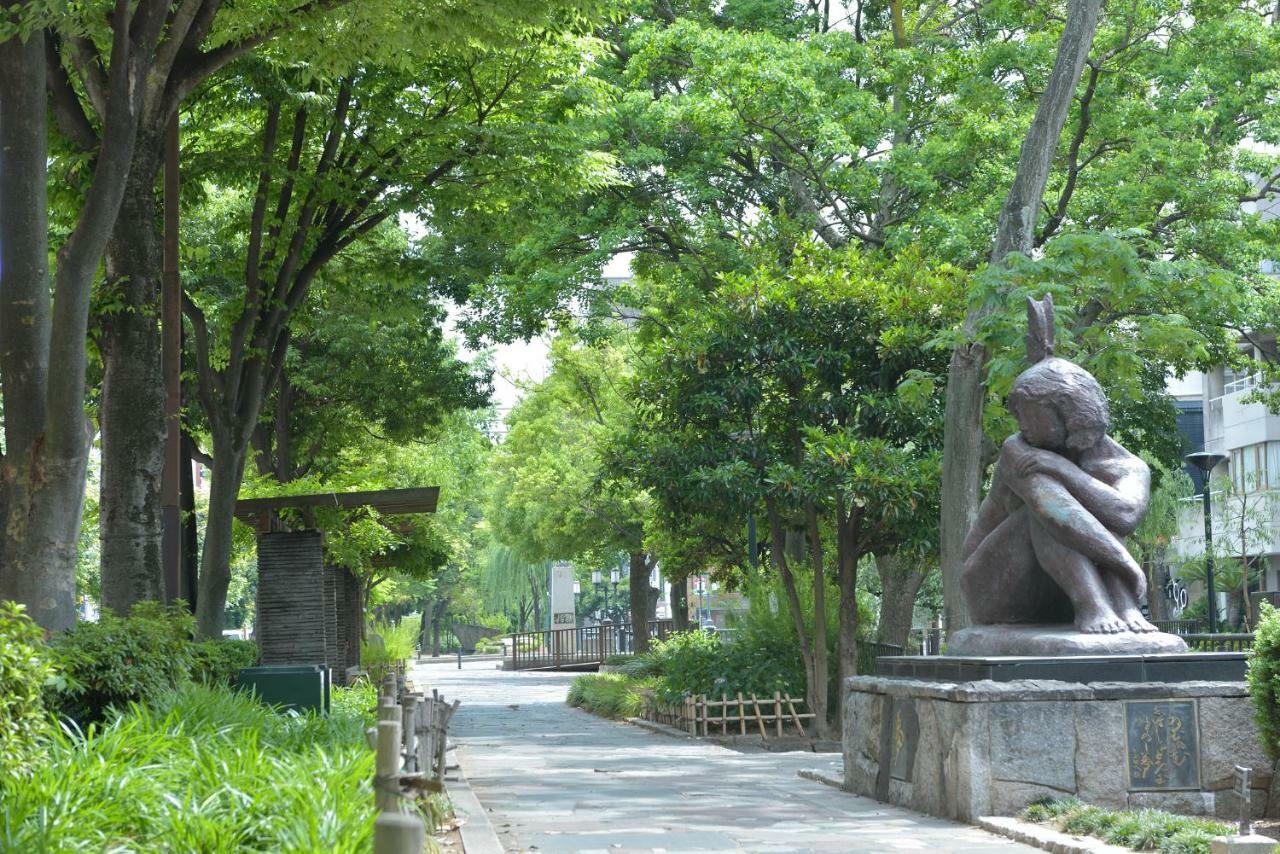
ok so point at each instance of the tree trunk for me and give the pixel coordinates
(815, 694)
(215, 562)
(190, 528)
(42, 361)
(847, 581)
(680, 605)
(962, 428)
(638, 584)
(822, 677)
(900, 581)
(132, 410)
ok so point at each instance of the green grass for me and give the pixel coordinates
(609, 695)
(202, 769)
(1141, 830)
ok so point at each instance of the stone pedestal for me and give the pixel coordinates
(1039, 640)
(967, 749)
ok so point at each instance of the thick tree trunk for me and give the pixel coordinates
(962, 432)
(215, 562)
(680, 605)
(132, 412)
(638, 583)
(900, 581)
(46, 434)
(847, 581)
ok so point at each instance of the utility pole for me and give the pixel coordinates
(171, 370)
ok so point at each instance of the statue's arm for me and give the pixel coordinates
(990, 514)
(1119, 506)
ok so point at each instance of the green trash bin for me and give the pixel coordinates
(304, 687)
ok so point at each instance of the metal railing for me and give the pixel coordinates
(555, 649)
(1178, 627)
(866, 653)
(1221, 642)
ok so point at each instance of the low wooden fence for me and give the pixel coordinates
(768, 717)
(410, 740)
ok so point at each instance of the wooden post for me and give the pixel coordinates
(387, 767)
(388, 710)
(389, 684)
(724, 711)
(408, 730)
(791, 707)
(398, 833)
(777, 712)
(759, 721)
(705, 713)
(742, 716)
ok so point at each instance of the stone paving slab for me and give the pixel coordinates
(556, 779)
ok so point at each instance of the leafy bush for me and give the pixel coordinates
(117, 661)
(24, 670)
(609, 695)
(1264, 679)
(388, 644)
(358, 701)
(489, 646)
(200, 769)
(216, 662)
(757, 662)
(1141, 830)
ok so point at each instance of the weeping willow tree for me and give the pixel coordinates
(513, 586)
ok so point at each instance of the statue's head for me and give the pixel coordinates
(1058, 404)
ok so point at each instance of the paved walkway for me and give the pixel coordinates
(554, 779)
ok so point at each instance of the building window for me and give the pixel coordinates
(1255, 468)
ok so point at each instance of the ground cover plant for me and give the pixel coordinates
(610, 695)
(199, 769)
(1141, 830)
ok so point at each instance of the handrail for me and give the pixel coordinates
(575, 647)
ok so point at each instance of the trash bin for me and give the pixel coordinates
(304, 687)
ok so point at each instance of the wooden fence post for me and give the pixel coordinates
(387, 767)
(408, 731)
(398, 833)
(777, 711)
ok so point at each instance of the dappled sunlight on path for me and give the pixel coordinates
(555, 778)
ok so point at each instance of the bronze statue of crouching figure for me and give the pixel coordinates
(1047, 547)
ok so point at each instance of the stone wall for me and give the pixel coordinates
(989, 748)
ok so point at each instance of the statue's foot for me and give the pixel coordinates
(1138, 623)
(1102, 621)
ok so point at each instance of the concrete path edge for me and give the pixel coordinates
(478, 835)
(1046, 838)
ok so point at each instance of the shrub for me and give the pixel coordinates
(1264, 679)
(24, 670)
(117, 661)
(609, 695)
(216, 662)
(199, 769)
(387, 644)
(690, 663)
(359, 700)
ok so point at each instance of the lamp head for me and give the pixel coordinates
(1206, 461)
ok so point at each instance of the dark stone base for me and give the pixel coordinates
(1057, 640)
(1163, 668)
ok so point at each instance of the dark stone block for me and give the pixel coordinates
(1162, 745)
(1171, 668)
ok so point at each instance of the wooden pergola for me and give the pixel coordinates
(308, 609)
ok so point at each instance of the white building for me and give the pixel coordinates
(1248, 435)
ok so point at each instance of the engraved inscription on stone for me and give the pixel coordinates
(903, 738)
(1163, 748)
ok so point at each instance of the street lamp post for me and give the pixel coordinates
(1206, 462)
(598, 583)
